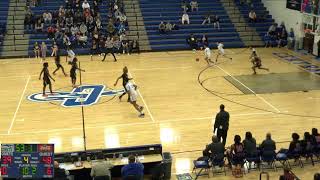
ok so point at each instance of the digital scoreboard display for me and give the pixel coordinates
(27, 160)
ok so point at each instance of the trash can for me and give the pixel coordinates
(167, 163)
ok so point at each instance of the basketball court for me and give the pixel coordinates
(180, 96)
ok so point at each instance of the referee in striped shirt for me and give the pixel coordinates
(109, 48)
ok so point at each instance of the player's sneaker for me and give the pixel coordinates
(141, 115)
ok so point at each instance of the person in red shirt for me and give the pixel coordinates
(51, 30)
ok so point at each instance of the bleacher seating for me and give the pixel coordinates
(170, 10)
(52, 6)
(262, 25)
(4, 7)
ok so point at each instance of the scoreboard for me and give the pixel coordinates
(27, 160)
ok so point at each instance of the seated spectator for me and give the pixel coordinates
(36, 50)
(267, 40)
(51, 30)
(272, 29)
(74, 29)
(124, 43)
(47, 17)
(28, 22)
(101, 168)
(44, 50)
(85, 5)
(268, 144)
(110, 28)
(315, 137)
(77, 17)
(62, 11)
(83, 28)
(176, 27)
(207, 19)
(192, 41)
(133, 170)
(116, 44)
(82, 39)
(185, 18)
(194, 5)
(168, 27)
(69, 22)
(306, 143)
(291, 39)
(39, 25)
(121, 28)
(252, 16)
(184, 6)
(236, 154)
(58, 172)
(215, 149)
(204, 41)
(283, 36)
(216, 22)
(162, 27)
(58, 35)
(250, 145)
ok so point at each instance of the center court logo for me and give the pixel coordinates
(84, 95)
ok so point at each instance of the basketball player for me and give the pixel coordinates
(253, 52)
(109, 49)
(71, 54)
(58, 64)
(131, 88)
(73, 74)
(256, 61)
(125, 80)
(46, 78)
(207, 54)
(221, 51)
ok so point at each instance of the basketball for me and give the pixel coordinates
(197, 59)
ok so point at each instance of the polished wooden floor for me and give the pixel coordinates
(178, 110)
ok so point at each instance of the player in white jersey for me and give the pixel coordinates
(207, 54)
(253, 53)
(221, 51)
(71, 55)
(131, 89)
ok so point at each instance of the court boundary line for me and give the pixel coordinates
(19, 104)
(132, 124)
(257, 95)
(143, 101)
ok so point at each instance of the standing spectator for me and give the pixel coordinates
(85, 5)
(133, 170)
(291, 39)
(168, 27)
(59, 173)
(184, 6)
(43, 50)
(47, 17)
(162, 27)
(101, 168)
(51, 30)
(125, 44)
(109, 48)
(252, 16)
(185, 18)
(36, 50)
(272, 29)
(207, 19)
(216, 22)
(221, 124)
(54, 49)
(283, 36)
(194, 5)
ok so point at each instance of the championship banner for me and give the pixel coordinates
(294, 4)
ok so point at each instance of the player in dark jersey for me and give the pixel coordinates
(256, 61)
(125, 80)
(74, 68)
(46, 78)
(58, 64)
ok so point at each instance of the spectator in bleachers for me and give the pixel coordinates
(185, 18)
(54, 49)
(117, 44)
(83, 28)
(28, 22)
(82, 39)
(44, 50)
(268, 144)
(133, 170)
(60, 173)
(39, 24)
(58, 35)
(216, 22)
(168, 27)
(36, 50)
(272, 29)
(267, 40)
(315, 137)
(47, 17)
(85, 5)
(125, 43)
(192, 41)
(194, 5)
(216, 148)
(282, 38)
(204, 41)
(101, 168)
(51, 31)
(74, 29)
(243, 2)
(110, 28)
(162, 27)
(62, 12)
(252, 16)
(184, 6)
(207, 19)
(250, 145)
(236, 154)
(77, 18)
